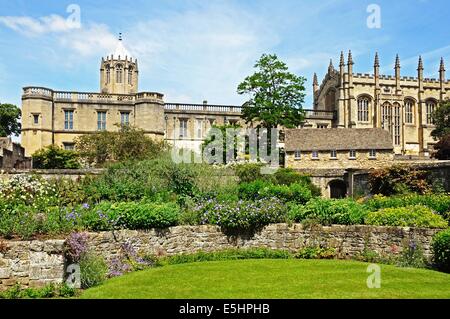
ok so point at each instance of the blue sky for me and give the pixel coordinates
(201, 49)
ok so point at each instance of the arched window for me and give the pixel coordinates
(119, 73)
(396, 122)
(386, 116)
(108, 74)
(130, 75)
(363, 109)
(431, 106)
(409, 111)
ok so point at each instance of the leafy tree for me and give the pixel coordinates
(9, 120)
(441, 119)
(54, 157)
(214, 143)
(128, 143)
(276, 95)
(442, 148)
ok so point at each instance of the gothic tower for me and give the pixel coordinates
(119, 72)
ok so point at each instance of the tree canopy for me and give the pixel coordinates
(9, 120)
(276, 95)
(441, 118)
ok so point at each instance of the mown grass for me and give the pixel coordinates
(270, 278)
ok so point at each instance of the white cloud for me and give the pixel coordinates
(34, 27)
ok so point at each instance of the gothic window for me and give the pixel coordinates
(108, 74)
(396, 124)
(431, 106)
(386, 116)
(119, 73)
(363, 109)
(130, 75)
(409, 111)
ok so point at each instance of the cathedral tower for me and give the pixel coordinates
(119, 72)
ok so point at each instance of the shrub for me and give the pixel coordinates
(329, 211)
(299, 193)
(410, 216)
(412, 256)
(54, 157)
(441, 250)
(93, 270)
(48, 291)
(314, 252)
(242, 215)
(248, 173)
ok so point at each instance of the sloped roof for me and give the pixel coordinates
(337, 139)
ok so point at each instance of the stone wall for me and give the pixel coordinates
(31, 263)
(36, 263)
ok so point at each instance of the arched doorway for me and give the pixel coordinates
(338, 189)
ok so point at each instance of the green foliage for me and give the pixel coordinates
(329, 211)
(412, 256)
(9, 120)
(128, 143)
(439, 203)
(441, 119)
(409, 216)
(299, 193)
(241, 215)
(399, 180)
(276, 95)
(216, 141)
(48, 291)
(441, 250)
(93, 270)
(316, 252)
(54, 157)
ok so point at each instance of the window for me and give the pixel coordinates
(69, 146)
(430, 109)
(363, 109)
(68, 120)
(409, 111)
(199, 128)
(396, 124)
(352, 154)
(372, 154)
(108, 74)
(315, 155)
(125, 118)
(333, 154)
(386, 117)
(297, 155)
(119, 73)
(36, 119)
(183, 127)
(101, 121)
(130, 75)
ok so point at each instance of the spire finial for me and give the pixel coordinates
(420, 67)
(350, 58)
(377, 61)
(315, 81)
(342, 62)
(397, 62)
(442, 67)
(330, 66)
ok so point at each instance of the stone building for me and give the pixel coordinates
(401, 105)
(12, 155)
(334, 148)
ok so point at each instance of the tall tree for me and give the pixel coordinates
(9, 120)
(441, 118)
(276, 95)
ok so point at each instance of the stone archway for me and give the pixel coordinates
(337, 188)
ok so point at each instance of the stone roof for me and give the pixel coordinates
(337, 139)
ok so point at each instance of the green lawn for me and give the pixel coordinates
(273, 278)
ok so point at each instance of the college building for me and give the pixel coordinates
(401, 106)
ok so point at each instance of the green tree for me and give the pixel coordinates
(128, 143)
(213, 142)
(442, 148)
(54, 157)
(9, 120)
(441, 118)
(276, 95)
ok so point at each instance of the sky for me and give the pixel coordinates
(195, 50)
